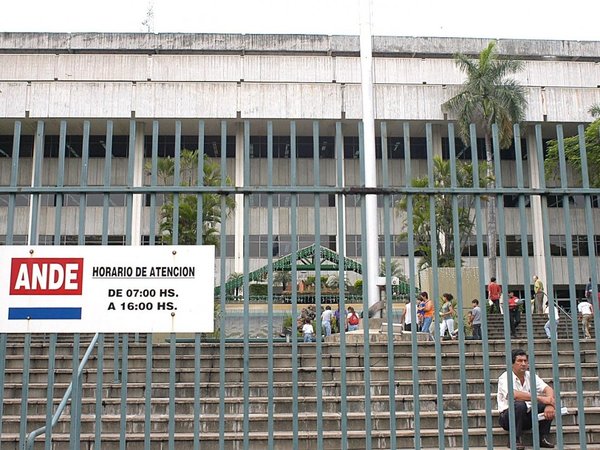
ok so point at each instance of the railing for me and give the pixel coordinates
(61, 407)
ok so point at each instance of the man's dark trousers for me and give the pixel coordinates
(523, 419)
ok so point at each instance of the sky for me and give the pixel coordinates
(522, 19)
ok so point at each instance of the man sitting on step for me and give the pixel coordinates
(524, 413)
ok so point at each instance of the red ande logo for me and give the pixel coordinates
(46, 276)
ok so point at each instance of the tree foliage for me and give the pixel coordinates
(444, 231)
(188, 203)
(572, 154)
(488, 96)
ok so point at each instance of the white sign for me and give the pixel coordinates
(111, 289)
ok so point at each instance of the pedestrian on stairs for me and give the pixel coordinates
(514, 313)
(587, 314)
(308, 331)
(524, 412)
(494, 292)
(548, 326)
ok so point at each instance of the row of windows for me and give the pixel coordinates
(282, 244)
(305, 147)
(279, 200)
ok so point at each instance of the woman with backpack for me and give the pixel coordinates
(352, 319)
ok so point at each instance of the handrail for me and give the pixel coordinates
(34, 434)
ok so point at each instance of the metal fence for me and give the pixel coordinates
(376, 388)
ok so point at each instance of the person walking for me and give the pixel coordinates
(447, 316)
(352, 319)
(586, 310)
(494, 292)
(308, 331)
(476, 319)
(514, 313)
(548, 325)
(538, 289)
(428, 311)
(406, 318)
(326, 317)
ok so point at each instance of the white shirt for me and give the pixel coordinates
(585, 308)
(307, 328)
(407, 314)
(517, 386)
(327, 315)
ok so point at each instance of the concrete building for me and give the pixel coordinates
(251, 95)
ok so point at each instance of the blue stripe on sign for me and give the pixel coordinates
(43, 313)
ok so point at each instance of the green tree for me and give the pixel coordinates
(282, 277)
(188, 203)
(595, 110)
(488, 97)
(396, 269)
(444, 232)
(573, 154)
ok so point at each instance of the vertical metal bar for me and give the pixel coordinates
(60, 180)
(107, 180)
(74, 441)
(176, 182)
(197, 391)
(116, 362)
(130, 169)
(464, 408)
(124, 380)
(172, 375)
(270, 378)
(589, 224)
(14, 181)
(366, 294)
(572, 294)
(294, 249)
(434, 265)
(200, 183)
(37, 181)
(83, 182)
(504, 271)
(549, 291)
(25, 389)
(246, 265)
(387, 213)
(99, 393)
(153, 182)
(50, 390)
(411, 257)
(3, 339)
(317, 261)
(148, 394)
(341, 225)
(481, 267)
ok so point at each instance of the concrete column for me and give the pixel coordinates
(436, 131)
(239, 200)
(537, 203)
(138, 180)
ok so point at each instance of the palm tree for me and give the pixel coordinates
(188, 203)
(487, 97)
(595, 110)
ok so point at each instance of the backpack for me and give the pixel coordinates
(353, 320)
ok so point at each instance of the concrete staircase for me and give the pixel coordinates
(252, 384)
(496, 327)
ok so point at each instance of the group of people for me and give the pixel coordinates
(425, 311)
(584, 308)
(330, 320)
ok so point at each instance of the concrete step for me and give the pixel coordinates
(379, 439)
(260, 422)
(186, 390)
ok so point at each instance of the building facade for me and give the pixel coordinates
(83, 117)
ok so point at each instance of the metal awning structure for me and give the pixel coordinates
(305, 260)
